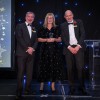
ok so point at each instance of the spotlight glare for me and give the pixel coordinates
(66, 3)
(76, 4)
(49, 83)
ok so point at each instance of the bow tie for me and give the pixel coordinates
(29, 25)
(70, 23)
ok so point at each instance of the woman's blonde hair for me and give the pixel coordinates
(46, 18)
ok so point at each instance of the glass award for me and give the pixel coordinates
(50, 35)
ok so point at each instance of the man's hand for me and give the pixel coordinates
(77, 48)
(72, 50)
(30, 50)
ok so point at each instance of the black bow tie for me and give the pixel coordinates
(29, 24)
(70, 23)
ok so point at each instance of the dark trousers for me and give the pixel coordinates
(25, 65)
(77, 59)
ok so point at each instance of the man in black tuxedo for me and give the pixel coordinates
(73, 35)
(26, 39)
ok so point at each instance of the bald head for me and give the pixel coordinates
(68, 12)
(68, 16)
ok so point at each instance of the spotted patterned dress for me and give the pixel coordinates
(50, 63)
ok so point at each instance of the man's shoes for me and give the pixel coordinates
(83, 91)
(54, 92)
(29, 92)
(41, 91)
(18, 95)
(71, 92)
(18, 98)
(26, 92)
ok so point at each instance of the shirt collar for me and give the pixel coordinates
(26, 23)
(71, 21)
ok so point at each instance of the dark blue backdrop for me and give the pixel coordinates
(87, 10)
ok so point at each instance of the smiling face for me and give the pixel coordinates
(50, 19)
(29, 18)
(68, 16)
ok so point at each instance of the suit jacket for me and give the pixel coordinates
(79, 34)
(23, 39)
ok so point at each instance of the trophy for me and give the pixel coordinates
(50, 35)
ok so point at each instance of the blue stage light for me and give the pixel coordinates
(40, 22)
(89, 14)
(56, 16)
(22, 4)
(76, 4)
(24, 79)
(24, 76)
(92, 46)
(49, 83)
(86, 67)
(37, 1)
(92, 73)
(66, 3)
(19, 20)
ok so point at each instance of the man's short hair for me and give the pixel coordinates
(29, 12)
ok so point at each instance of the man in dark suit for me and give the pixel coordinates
(26, 39)
(73, 35)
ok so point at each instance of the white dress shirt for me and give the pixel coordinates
(29, 29)
(72, 39)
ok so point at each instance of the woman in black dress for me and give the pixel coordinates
(50, 64)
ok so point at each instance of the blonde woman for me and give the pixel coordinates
(50, 64)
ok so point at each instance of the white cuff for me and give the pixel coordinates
(79, 45)
(68, 46)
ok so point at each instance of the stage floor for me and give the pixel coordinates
(8, 91)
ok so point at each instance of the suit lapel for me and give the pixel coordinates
(33, 32)
(32, 36)
(66, 29)
(75, 28)
(26, 31)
